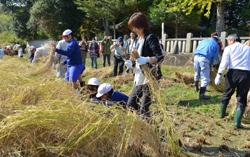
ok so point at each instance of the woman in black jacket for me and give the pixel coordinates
(150, 53)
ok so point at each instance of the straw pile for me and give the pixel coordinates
(49, 59)
(185, 77)
(42, 116)
(213, 74)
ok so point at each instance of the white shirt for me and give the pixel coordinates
(139, 76)
(235, 56)
(40, 52)
(62, 45)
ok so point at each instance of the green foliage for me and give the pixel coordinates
(174, 18)
(100, 14)
(53, 16)
(7, 37)
(5, 21)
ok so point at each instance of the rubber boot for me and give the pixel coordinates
(196, 83)
(202, 95)
(223, 108)
(237, 118)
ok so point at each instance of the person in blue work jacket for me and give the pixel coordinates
(75, 66)
(204, 55)
(106, 93)
(1, 53)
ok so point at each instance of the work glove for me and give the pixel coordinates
(142, 60)
(217, 79)
(128, 64)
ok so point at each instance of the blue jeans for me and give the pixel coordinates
(94, 62)
(104, 60)
(202, 70)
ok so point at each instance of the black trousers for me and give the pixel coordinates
(106, 57)
(238, 80)
(141, 94)
(118, 62)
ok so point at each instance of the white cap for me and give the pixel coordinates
(103, 89)
(32, 47)
(94, 81)
(67, 32)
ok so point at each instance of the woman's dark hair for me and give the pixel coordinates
(138, 20)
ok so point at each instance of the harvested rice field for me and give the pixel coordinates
(42, 117)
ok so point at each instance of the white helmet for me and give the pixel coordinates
(94, 82)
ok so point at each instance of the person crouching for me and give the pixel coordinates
(106, 94)
(92, 87)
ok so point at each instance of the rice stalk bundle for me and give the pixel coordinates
(185, 77)
(49, 59)
(220, 87)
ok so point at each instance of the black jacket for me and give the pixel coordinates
(152, 47)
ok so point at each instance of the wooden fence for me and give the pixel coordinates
(189, 44)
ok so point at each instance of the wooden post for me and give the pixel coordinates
(163, 36)
(223, 37)
(189, 42)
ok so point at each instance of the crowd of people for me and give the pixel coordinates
(70, 59)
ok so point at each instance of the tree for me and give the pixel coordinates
(176, 20)
(54, 16)
(105, 13)
(19, 9)
(203, 6)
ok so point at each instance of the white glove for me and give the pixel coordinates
(142, 60)
(128, 64)
(217, 79)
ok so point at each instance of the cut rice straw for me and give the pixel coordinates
(50, 59)
(169, 132)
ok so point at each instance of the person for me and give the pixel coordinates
(148, 48)
(248, 41)
(131, 42)
(61, 60)
(107, 94)
(92, 87)
(235, 58)
(93, 53)
(106, 52)
(31, 52)
(8, 50)
(205, 53)
(84, 49)
(18, 50)
(40, 52)
(119, 49)
(75, 67)
(1, 53)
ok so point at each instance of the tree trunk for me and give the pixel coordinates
(106, 26)
(220, 22)
(114, 30)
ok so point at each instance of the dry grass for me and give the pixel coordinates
(187, 78)
(42, 116)
(220, 87)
